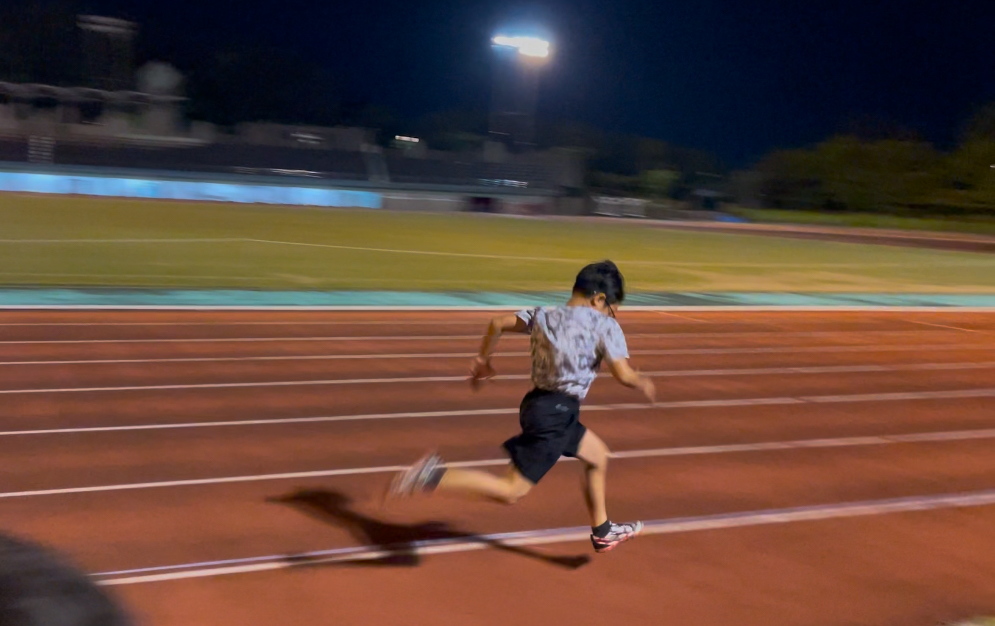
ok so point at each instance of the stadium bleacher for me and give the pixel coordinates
(263, 160)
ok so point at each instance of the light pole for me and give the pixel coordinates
(108, 52)
(518, 61)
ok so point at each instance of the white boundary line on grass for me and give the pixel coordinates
(982, 261)
(61, 241)
(678, 264)
(723, 521)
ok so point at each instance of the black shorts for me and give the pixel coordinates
(551, 428)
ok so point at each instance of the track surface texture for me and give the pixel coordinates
(226, 468)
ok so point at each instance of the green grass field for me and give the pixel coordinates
(289, 248)
(977, 225)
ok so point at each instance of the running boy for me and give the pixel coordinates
(568, 344)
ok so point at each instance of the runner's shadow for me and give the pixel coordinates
(395, 544)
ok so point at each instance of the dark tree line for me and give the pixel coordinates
(887, 173)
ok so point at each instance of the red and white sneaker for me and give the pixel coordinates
(619, 533)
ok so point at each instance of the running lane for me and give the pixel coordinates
(283, 429)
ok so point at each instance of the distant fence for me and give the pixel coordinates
(619, 207)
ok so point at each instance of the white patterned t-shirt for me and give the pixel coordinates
(568, 345)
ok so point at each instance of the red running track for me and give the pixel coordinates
(225, 468)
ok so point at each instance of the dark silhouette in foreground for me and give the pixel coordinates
(39, 587)
(396, 540)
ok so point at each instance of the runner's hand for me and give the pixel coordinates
(480, 370)
(648, 388)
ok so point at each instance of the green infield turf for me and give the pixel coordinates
(81, 242)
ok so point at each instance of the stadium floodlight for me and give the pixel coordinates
(526, 46)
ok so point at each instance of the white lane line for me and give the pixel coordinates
(723, 521)
(754, 371)
(268, 422)
(958, 328)
(283, 383)
(905, 396)
(483, 313)
(770, 446)
(467, 355)
(730, 335)
(303, 357)
(683, 317)
(240, 340)
(908, 395)
(223, 323)
(749, 308)
(835, 442)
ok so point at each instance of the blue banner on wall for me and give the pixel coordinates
(183, 190)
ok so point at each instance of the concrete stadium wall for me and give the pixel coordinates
(59, 180)
(61, 184)
(446, 202)
(426, 202)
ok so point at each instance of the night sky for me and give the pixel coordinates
(736, 77)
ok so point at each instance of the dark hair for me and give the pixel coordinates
(602, 277)
(38, 587)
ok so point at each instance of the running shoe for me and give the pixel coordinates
(416, 478)
(619, 533)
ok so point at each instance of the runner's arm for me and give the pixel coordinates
(630, 378)
(498, 326)
(481, 368)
